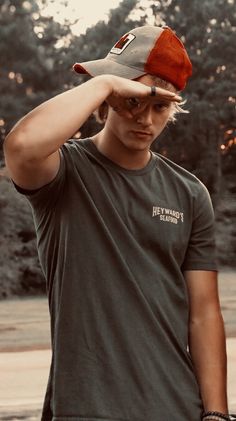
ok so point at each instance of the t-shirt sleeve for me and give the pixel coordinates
(201, 251)
(45, 198)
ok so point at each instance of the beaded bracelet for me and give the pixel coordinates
(217, 416)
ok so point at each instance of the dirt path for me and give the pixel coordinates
(227, 292)
(25, 351)
(24, 324)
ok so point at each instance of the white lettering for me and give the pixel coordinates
(168, 218)
(155, 211)
(168, 215)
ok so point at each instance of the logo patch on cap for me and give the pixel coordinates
(121, 45)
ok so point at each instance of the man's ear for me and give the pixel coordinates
(101, 113)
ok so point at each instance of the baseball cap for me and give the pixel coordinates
(147, 49)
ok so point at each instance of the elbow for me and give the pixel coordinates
(213, 318)
(16, 146)
(14, 141)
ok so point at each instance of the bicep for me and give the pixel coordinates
(33, 174)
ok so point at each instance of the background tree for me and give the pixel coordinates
(33, 67)
(97, 42)
(37, 54)
(33, 63)
(209, 33)
(36, 63)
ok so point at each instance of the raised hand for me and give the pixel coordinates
(129, 97)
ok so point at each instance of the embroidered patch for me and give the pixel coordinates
(121, 45)
(168, 215)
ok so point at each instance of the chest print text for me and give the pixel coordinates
(167, 215)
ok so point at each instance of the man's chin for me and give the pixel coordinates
(134, 146)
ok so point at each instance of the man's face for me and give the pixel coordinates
(137, 125)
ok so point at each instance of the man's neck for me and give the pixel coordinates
(121, 155)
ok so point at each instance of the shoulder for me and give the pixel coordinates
(174, 169)
(77, 153)
(74, 146)
(180, 177)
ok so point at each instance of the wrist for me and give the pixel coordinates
(107, 82)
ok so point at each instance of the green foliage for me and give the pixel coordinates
(36, 64)
(36, 57)
(33, 67)
(20, 272)
(208, 30)
(97, 42)
(209, 33)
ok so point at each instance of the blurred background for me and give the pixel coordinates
(39, 42)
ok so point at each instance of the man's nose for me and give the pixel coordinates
(144, 116)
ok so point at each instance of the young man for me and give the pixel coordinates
(126, 243)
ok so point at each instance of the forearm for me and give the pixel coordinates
(31, 148)
(41, 132)
(47, 127)
(208, 352)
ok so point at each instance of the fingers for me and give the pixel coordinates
(153, 91)
(164, 94)
(134, 96)
(126, 88)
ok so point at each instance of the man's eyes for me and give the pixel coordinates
(135, 103)
(161, 106)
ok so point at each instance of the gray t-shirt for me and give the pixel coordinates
(113, 245)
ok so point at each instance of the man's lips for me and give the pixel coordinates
(142, 133)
